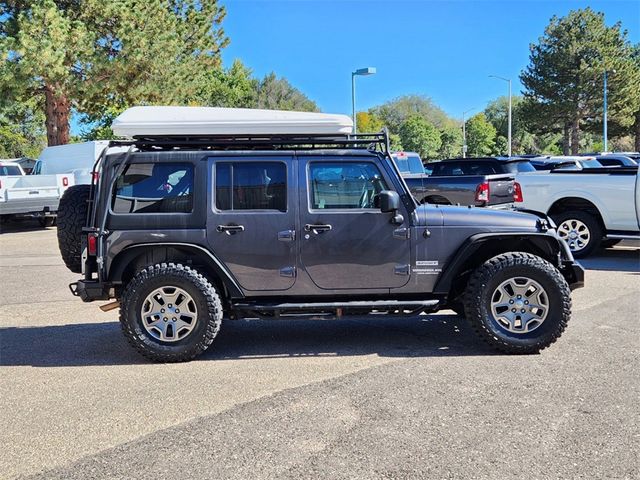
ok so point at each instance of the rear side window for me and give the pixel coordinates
(154, 188)
(251, 186)
(9, 170)
(344, 185)
(517, 167)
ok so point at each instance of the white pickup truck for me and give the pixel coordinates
(32, 195)
(591, 207)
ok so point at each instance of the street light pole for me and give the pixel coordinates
(361, 72)
(464, 134)
(509, 127)
(604, 133)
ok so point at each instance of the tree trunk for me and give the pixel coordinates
(637, 131)
(57, 112)
(565, 139)
(575, 137)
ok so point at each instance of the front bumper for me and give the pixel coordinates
(90, 290)
(574, 273)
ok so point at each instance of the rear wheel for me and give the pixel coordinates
(580, 230)
(72, 217)
(170, 313)
(518, 302)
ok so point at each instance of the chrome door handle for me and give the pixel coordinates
(230, 229)
(317, 228)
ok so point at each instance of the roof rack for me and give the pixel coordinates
(369, 141)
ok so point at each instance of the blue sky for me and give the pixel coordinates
(443, 49)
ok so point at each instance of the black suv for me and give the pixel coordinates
(481, 166)
(183, 232)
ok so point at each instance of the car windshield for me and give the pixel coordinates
(518, 167)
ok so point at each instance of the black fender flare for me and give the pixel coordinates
(124, 258)
(554, 249)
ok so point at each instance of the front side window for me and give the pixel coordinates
(344, 185)
(251, 186)
(154, 188)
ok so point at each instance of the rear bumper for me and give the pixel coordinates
(90, 290)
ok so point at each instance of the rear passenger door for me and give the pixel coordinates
(252, 220)
(346, 242)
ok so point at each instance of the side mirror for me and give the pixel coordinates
(388, 201)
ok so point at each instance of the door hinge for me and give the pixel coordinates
(402, 233)
(289, 272)
(402, 270)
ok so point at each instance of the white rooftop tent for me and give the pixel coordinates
(204, 121)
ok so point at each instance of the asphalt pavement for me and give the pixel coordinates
(362, 398)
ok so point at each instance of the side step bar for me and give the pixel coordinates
(337, 309)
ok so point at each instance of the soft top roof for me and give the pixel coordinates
(164, 121)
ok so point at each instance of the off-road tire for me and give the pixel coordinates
(72, 217)
(204, 295)
(486, 278)
(595, 230)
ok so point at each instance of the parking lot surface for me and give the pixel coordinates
(358, 398)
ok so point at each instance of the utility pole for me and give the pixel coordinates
(361, 72)
(464, 133)
(509, 81)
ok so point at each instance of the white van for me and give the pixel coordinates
(75, 158)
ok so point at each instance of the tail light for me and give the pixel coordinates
(482, 192)
(65, 182)
(95, 176)
(92, 244)
(517, 192)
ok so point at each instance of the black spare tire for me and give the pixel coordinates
(72, 217)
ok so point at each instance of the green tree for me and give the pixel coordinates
(278, 94)
(395, 112)
(92, 55)
(368, 122)
(481, 136)
(451, 137)
(232, 87)
(418, 135)
(564, 79)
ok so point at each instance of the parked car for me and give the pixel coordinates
(482, 182)
(10, 168)
(30, 196)
(591, 207)
(547, 163)
(182, 232)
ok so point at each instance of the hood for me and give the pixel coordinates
(477, 217)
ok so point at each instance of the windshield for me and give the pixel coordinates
(517, 167)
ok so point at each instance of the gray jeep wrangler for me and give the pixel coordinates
(183, 232)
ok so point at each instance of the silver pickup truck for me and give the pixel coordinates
(592, 207)
(30, 195)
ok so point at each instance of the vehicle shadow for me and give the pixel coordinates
(625, 259)
(91, 344)
(21, 225)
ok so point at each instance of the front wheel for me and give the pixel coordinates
(580, 230)
(170, 313)
(518, 302)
